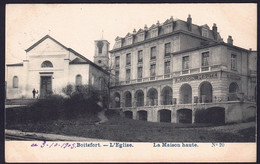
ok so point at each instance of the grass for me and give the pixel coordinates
(128, 130)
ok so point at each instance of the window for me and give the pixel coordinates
(205, 59)
(233, 62)
(140, 56)
(117, 61)
(168, 29)
(140, 72)
(153, 52)
(46, 64)
(204, 32)
(185, 62)
(128, 73)
(152, 70)
(153, 33)
(128, 59)
(100, 46)
(129, 41)
(167, 48)
(140, 37)
(117, 76)
(79, 80)
(167, 67)
(15, 82)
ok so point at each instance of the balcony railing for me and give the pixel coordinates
(171, 75)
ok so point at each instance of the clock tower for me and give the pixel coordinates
(101, 57)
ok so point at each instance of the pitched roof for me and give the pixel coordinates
(81, 59)
(16, 64)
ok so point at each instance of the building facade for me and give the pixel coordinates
(50, 66)
(180, 72)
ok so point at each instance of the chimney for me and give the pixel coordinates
(145, 27)
(230, 40)
(171, 18)
(189, 22)
(158, 23)
(134, 32)
(215, 30)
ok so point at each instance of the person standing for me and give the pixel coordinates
(34, 91)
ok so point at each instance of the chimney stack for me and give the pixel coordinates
(189, 22)
(215, 30)
(145, 27)
(230, 40)
(134, 32)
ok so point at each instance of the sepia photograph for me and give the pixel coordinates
(101, 76)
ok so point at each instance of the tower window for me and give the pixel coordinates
(100, 46)
(99, 61)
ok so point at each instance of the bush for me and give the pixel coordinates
(82, 101)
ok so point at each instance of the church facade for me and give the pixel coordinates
(50, 66)
(175, 71)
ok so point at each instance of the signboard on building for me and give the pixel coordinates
(196, 77)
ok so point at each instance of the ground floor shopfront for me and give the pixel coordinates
(205, 97)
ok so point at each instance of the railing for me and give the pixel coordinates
(171, 75)
(231, 98)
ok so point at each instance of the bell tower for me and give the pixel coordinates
(101, 57)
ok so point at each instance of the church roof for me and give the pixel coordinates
(80, 58)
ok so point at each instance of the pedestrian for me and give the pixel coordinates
(34, 93)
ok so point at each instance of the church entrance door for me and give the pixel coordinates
(46, 86)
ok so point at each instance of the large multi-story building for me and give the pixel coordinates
(177, 71)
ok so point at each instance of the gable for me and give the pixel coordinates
(48, 47)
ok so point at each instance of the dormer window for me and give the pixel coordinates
(204, 32)
(140, 37)
(154, 33)
(168, 29)
(118, 44)
(129, 40)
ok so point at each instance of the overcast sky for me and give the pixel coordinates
(78, 25)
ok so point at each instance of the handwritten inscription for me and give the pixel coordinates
(46, 144)
(196, 77)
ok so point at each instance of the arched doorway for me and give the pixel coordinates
(142, 115)
(139, 95)
(166, 96)
(117, 100)
(233, 89)
(215, 115)
(205, 92)
(165, 115)
(184, 116)
(185, 94)
(128, 114)
(152, 97)
(128, 99)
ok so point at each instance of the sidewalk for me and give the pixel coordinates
(52, 137)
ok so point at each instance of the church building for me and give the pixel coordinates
(50, 66)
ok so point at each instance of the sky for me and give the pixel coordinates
(77, 25)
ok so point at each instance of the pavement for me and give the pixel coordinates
(50, 137)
